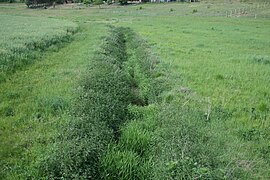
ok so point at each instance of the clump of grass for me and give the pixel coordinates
(219, 77)
(78, 152)
(261, 60)
(140, 8)
(51, 105)
(13, 95)
(135, 138)
(124, 165)
(7, 111)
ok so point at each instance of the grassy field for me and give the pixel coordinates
(24, 37)
(210, 121)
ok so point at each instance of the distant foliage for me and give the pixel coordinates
(10, 1)
(38, 3)
(98, 2)
(123, 2)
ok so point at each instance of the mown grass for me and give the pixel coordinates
(214, 122)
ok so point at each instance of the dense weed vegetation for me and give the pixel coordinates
(126, 124)
(108, 136)
(22, 42)
(129, 158)
(101, 108)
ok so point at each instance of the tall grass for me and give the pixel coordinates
(24, 38)
(129, 158)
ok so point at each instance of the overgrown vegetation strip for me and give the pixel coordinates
(105, 94)
(129, 158)
(116, 89)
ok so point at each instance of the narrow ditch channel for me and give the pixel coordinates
(102, 141)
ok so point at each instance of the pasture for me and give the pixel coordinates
(23, 35)
(146, 91)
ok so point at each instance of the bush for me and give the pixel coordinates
(86, 2)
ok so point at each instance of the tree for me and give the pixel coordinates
(123, 2)
(98, 2)
(42, 3)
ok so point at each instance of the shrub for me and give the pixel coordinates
(87, 2)
(41, 3)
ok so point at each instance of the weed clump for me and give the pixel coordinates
(8, 111)
(51, 105)
(124, 165)
(261, 60)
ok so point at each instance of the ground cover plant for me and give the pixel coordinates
(209, 119)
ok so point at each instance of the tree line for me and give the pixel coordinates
(41, 3)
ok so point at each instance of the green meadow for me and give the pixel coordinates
(145, 91)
